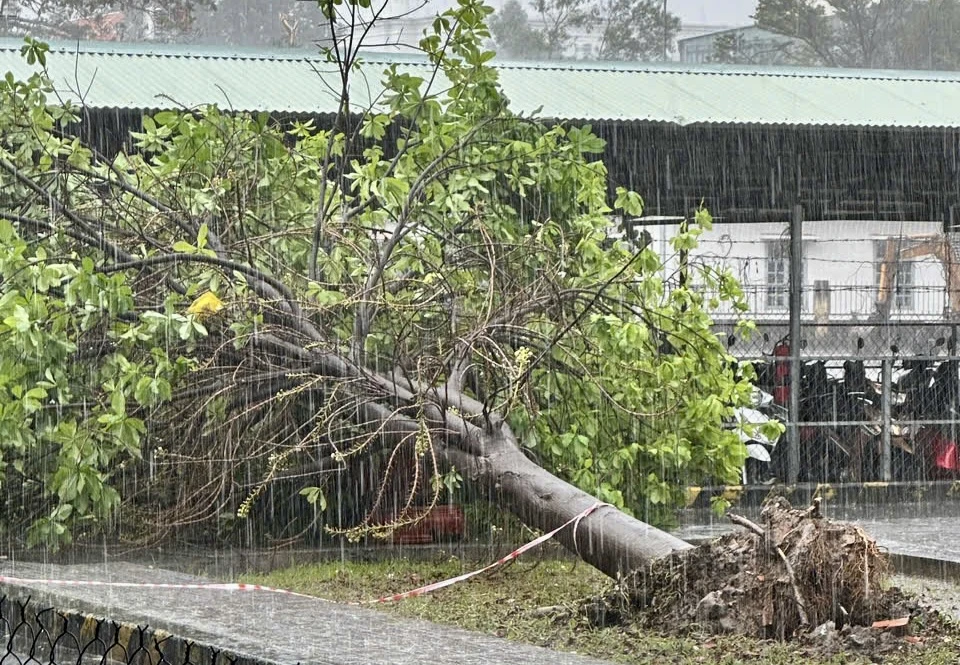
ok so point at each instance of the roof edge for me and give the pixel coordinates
(189, 51)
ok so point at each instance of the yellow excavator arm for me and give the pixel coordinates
(936, 246)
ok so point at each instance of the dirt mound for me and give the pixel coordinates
(789, 574)
(922, 626)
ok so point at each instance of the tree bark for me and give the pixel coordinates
(608, 539)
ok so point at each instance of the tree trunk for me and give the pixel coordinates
(608, 539)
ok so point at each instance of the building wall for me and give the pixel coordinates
(841, 261)
(759, 46)
(417, 16)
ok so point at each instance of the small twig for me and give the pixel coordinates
(748, 524)
(866, 565)
(760, 531)
(814, 510)
(797, 595)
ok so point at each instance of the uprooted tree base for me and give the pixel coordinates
(793, 575)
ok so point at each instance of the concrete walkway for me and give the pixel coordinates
(267, 627)
(931, 533)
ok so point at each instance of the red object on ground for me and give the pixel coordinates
(441, 523)
(941, 452)
(945, 454)
(892, 623)
(781, 373)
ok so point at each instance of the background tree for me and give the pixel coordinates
(635, 30)
(422, 290)
(623, 29)
(841, 33)
(898, 34)
(128, 20)
(929, 39)
(734, 48)
(276, 23)
(513, 35)
(561, 20)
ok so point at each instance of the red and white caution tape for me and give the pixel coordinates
(236, 586)
(575, 520)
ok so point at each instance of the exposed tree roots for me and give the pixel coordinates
(783, 577)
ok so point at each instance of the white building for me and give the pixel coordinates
(842, 264)
(414, 16)
(753, 45)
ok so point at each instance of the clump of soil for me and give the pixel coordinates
(924, 627)
(790, 574)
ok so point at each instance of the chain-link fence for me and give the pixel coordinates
(46, 636)
(870, 314)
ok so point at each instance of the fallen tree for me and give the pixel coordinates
(427, 287)
(793, 571)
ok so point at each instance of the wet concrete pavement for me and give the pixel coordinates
(942, 596)
(923, 530)
(271, 628)
(267, 627)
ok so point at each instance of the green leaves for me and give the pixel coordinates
(628, 201)
(651, 418)
(35, 51)
(433, 232)
(584, 141)
(68, 398)
(315, 497)
(154, 137)
(375, 126)
(19, 320)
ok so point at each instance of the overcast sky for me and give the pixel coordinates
(715, 12)
(691, 12)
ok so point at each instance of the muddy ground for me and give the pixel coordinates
(792, 576)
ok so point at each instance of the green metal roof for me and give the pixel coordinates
(148, 76)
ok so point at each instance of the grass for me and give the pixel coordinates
(512, 602)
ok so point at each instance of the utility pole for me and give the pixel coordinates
(666, 38)
(796, 335)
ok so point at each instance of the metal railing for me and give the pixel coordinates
(844, 310)
(849, 303)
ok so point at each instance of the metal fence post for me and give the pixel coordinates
(796, 306)
(886, 383)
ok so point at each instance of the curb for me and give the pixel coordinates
(869, 493)
(940, 570)
(82, 628)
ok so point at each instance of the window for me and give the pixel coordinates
(778, 274)
(903, 288)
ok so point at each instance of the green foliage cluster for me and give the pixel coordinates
(638, 30)
(80, 366)
(889, 34)
(127, 20)
(234, 297)
(644, 412)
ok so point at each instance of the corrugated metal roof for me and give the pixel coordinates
(148, 76)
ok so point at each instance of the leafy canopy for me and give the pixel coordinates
(237, 305)
(590, 29)
(893, 34)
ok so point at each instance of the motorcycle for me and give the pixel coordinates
(860, 402)
(933, 394)
(823, 454)
(825, 451)
(749, 422)
(845, 444)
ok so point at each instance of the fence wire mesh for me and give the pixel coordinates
(46, 636)
(879, 311)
